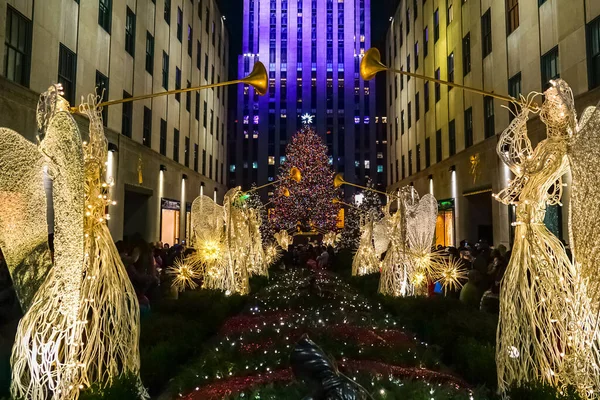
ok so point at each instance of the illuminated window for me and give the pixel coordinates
(271, 160)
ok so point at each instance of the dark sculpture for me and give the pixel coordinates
(311, 365)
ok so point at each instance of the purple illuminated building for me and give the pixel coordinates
(312, 50)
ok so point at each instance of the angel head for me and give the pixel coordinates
(558, 111)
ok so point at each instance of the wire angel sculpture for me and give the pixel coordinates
(409, 262)
(283, 238)
(330, 238)
(82, 326)
(365, 261)
(546, 331)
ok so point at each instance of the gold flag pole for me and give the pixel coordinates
(371, 65)
(258, 79)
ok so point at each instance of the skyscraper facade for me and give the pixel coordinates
(312, 51)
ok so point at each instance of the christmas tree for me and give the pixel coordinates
(310, 203)
(366, 201)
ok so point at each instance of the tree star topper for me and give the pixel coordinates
(307, 119)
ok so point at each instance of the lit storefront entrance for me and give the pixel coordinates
(444, 226)
(169, 221)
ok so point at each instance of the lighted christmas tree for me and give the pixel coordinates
(311, 200)
(366, 201)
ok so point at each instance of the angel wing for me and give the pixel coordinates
(23, 225)
(584, 211)
(207, 218)
(420, 224)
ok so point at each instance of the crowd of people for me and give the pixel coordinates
(145, 264)
(310, 255)
(486, 266)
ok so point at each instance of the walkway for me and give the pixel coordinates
(252, 349)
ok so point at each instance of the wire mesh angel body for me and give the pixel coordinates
(365, 260)
(83, 325)
(537, 332)
(406, 268)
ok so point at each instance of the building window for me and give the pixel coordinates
(210, 166)
(593, 41)
(407, 22)
(204, 162)
(104, 14)
(416, 56)
(102, 87)
(410, 163)
(176, 145)
(425, 41)
(147, 135)
(452, 137)
(426, 96)
(179, 24)
(189, 40)
(167, 12)
(186, 153)
(549, 67)
(417, 107)
(397, 172)
(130, 32)
(450, 15)
(540, 2)
(207, 19)
(418, 157)
(177, 83)
(488, 114)
(438, 93)
(514, 90)
(198, 55)
(468, 127)
(427, 152)
(206, 67)
(188, 97)
(403, 167)
(436, 25)
(196, 157)
(163, 137)
(197, 106)
(486, 33)
(67, 72)
(165, 71)
(450, 69)
(438, 145)
(17, 49)
(409, 115)
(402, 121)
(149, 53)
(127, 120)
(466, 50)
(512, 15)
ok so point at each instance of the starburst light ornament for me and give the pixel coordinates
(184, 275)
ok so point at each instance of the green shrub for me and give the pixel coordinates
(542, 391)
(123, 387)
(475, 361)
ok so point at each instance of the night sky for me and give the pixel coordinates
(381, 10)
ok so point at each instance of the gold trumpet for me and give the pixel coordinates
(258, 79)
(338, 201)
(338, 181)
(371, 65)
(295, 175)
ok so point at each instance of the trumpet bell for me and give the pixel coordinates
(258, 79)
(285, 192)
(371, 64)
(335, 201)
(295, 174)
(338, 180)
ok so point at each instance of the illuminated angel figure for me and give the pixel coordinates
(82, 327)
(283, 238)
(541, 325)
(409, 261)
(365, 260)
